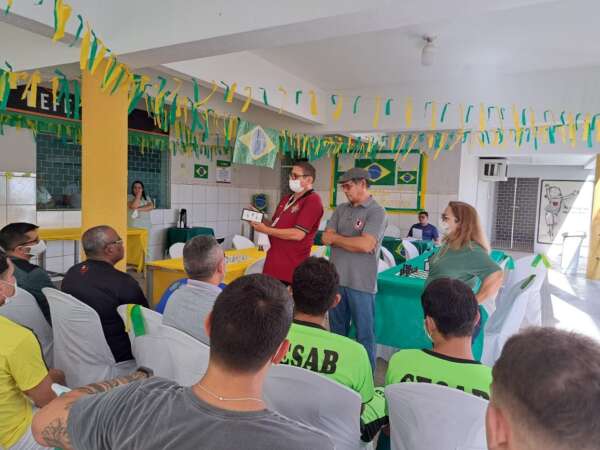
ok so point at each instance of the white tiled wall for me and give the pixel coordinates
(60, 255)
(216, 206)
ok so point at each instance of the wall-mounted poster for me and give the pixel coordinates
(565, 207)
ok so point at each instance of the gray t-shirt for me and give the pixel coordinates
(358, 270)
(188, 307)
(159, 414)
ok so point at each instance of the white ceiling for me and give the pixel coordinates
(543, 36)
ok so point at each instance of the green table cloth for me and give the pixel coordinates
(185, 234)
(398, 312)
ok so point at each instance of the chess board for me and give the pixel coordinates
(422, 274)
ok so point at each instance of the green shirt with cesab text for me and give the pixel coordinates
(337, 357)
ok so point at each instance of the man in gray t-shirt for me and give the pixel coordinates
(190, 304)
(224, 410)
(132, 417)
(355, 232)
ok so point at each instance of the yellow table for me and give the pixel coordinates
(162, 273)
(137, 242)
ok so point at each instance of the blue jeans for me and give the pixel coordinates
(358, 307)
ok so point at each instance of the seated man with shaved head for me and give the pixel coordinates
(98, 284)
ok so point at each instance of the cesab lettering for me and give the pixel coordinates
(410, 378)
(300, 356)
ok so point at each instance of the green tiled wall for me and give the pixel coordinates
(59, 170)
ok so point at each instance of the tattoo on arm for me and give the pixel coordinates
(104, 386)
(55, 433)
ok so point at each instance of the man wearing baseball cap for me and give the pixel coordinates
(355, 232)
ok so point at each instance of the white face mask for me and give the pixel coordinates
(296, 186)
(445, 227)
(427, 332)
(37, 249)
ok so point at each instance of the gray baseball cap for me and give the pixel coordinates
(356, 173)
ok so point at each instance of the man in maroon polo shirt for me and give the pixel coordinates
(294, 225)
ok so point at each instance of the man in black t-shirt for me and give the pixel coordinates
(98, 284)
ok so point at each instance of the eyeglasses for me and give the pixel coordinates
(295, 176)
(117, 242)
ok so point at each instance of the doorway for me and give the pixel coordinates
(515, 214)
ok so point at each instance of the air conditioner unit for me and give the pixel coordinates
(493, 169)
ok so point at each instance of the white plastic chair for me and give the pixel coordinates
(410, 250)
(242, 242)
(149, 350)
(176, 250)
(393, 230)
(24, 310)
(316, 401)
(533, 315)
(256, 267)
(387, 257)
(506, 320)
(80, 348)
(188, 356)
(424, 416)
(382, 265)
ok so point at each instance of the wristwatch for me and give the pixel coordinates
(149, 372)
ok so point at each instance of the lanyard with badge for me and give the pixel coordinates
(291, 202)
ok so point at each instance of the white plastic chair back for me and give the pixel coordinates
(256, 267)
(262, 240)
(506, 320)
(393, 230)
(188, 356)
(80, 348)
(410, 249)
(424, 416)
(387, 257)
(149, 350)
(24, 310)
(317, 401)
(533, 315)
(382, 265)
(176, 250)
(319, 251)
(242, 242)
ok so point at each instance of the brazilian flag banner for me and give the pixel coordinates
(381, 171)
(255, 145)
(407, 177)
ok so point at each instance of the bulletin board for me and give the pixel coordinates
(398, 184)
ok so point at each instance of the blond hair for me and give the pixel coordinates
(469, 227)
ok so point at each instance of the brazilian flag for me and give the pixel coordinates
(407, 177)
(381, 171)
(200, 171)
(256, 145)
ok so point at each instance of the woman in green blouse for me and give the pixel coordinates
(465, 253)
